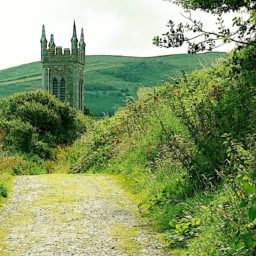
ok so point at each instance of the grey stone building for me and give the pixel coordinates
(63, 71)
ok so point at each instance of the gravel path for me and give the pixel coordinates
(53, 215)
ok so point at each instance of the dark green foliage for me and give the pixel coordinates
(223, 104)
(3, 191)
(36, 122)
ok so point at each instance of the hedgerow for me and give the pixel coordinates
(187, 150)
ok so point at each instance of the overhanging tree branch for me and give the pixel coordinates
(243, 32)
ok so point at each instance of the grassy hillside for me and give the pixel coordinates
(110, 79)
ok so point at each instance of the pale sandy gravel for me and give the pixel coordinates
(58, 215)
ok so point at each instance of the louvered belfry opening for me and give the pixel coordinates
(62, 89)
(81, 95)
(55, 87)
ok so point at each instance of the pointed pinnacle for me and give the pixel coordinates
(74, 30)
(51, 43)
(43, 33)
(52, 38)
(82, 36)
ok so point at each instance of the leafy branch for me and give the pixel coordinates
(244, 33)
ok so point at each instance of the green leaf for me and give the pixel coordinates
(249, 189)
(252, 213)
(250, 242)
(243, 204)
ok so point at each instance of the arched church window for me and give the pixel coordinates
(81, 94)
(55, 87)
(62, 89)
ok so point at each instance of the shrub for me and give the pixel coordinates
(36, 122)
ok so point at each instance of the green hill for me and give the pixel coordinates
(110, 79)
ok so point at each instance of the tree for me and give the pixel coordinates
(243, 31)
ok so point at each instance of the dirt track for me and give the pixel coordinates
(51, 215)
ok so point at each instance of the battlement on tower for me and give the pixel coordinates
(52, 54)
(58, 55)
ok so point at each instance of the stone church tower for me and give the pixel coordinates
(63, 72)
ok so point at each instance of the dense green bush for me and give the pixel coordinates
(36, 122)
(215, 102)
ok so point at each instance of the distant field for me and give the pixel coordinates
(110, 79)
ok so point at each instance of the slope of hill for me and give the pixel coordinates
(110, 79)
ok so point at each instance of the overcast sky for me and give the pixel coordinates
(117, 27)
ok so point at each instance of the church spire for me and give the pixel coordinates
(82, 43)
(74, 30)
(82, 46)
(43, 43)
(43, 38)
(82, 36)
(74, 41)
